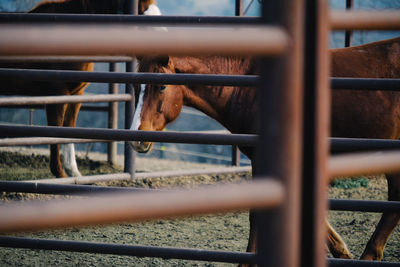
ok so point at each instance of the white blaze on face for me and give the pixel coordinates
(138, 112)
(69, 161)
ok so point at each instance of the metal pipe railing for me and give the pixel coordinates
(128, 135)
(365, 20)
(141, 175)
(118, 207)
(124, 19)
(341, 145)
(31, 141)
(55, 59)
(25, 39)
(364, 205)
(360, 263)
(128, 250)
(364, 163)
(44, 100)
(190, 79)
(338, 145)
(38, 187)
(148, 78)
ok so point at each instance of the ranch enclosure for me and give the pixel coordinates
(133, 214)
(220, 232)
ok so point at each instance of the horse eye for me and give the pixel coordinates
(162, 87)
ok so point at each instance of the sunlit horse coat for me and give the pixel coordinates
(369, 114)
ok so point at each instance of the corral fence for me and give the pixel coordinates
(291, 215)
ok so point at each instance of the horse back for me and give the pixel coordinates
(366, 114)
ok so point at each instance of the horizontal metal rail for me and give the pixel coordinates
(31, 141)
(83, 107)
(365, 20)
(365, 84)
(27, 39)
(117, 77)
(364, 205)
(56, 189)
(35, 100)
(360, 263)
(124, 19)
(128, 135)
(140, 175)
(337, 144)
(196, 79)
(121, 207)
(55, 59)
(161, 252)
(128, 250)
(340, 20)
(341, 145)
(83, 180)
(364, 163)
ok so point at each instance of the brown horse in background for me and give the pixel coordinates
(371, 114)
(63, 114)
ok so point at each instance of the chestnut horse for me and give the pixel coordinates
(368, 114)
(64, 114)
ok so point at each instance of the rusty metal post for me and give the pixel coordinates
(235, 156)
(129, 159)
(112, 118)
(239, 8)
(235, 150)
(348, 37)
(316, 129)
(279, 150)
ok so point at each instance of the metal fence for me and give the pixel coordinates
(279, 199)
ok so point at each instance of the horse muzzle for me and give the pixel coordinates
(142, 147)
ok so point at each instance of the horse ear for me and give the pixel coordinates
(163, 60)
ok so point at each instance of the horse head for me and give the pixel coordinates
(158, 104)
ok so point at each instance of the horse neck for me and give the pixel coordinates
(233, 107)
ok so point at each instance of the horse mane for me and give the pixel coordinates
(202, 64)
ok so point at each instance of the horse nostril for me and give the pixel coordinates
(141, 147)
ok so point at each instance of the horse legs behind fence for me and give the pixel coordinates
(389, 220)
(69, 161)
(55, 117)
(336, 245)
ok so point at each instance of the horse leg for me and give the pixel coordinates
(69, 160)
(252, 244)
(55, 117)
(336, 245)
(386, 225)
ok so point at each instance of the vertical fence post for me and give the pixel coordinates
(239, 8)
(235, 150)
(112, 118)
(348, 36)
(316, 130)
(279, 149)
(129, 161)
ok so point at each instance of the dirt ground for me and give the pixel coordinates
(227, 232)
